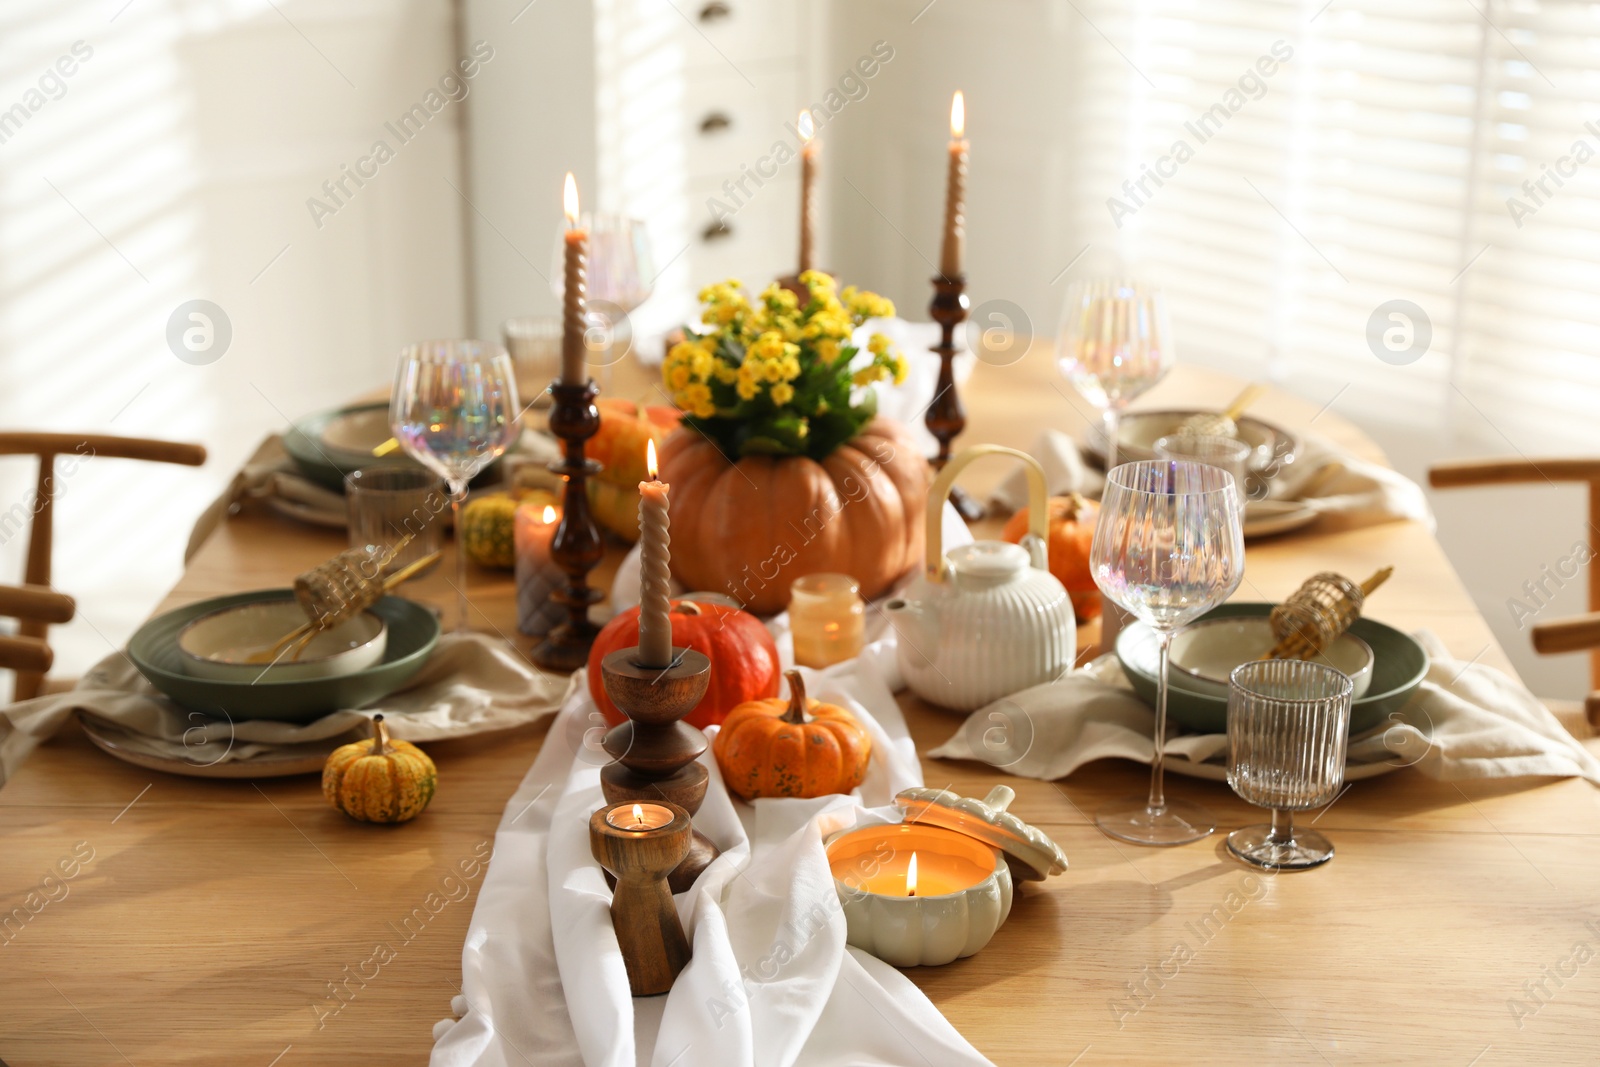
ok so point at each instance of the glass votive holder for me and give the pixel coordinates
(387, 503)
(534, 342)
(1288, 732)
(533, 527)
(1229, 453)
(827, 618)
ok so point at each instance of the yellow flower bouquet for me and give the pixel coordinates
(773, 376)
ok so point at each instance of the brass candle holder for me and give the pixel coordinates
(576, 547)
(656, 754)
(639, 855)
(946, 418)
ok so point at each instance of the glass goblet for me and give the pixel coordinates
(1288, 729)
(1229, 453)
(1113, 344)
(454, 409)
(1168, 547)
(620, 276)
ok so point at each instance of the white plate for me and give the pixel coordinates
(305, 759)
(1263, 518)
(1216, 772)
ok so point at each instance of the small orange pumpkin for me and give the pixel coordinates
(791, 748)
(1072, 520)
(619, 446)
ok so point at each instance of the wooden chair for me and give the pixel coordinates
(1566, 635)
(36, 606)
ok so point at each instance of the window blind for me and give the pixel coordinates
(1321, 185)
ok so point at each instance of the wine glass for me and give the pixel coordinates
(1288, 731)
(1114, 343)
(1168, 547)
(620, 276)
(454, 409)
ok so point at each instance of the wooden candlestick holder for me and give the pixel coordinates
(654, 948)
(656, 754)
(576, 547)
(946, 417)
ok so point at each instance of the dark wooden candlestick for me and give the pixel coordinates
(576, 547)
(654, 948)
(946, 417)
(656, 754)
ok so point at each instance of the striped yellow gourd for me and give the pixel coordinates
(381, 780)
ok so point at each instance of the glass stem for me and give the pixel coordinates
(1158, 796)
(458, 496)
(1112, 418)
(1282, 827)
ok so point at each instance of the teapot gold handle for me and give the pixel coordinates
(1038, 502)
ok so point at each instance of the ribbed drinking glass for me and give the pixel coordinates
(1288, 729)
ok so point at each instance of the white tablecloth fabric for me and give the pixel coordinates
(771, 980)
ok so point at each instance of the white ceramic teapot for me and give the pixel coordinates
(988, 619)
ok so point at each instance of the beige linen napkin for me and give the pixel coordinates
(1466, 721)
(472, 684)
(1349, 492)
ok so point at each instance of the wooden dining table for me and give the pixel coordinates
(211, 922)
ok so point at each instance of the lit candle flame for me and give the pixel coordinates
(958, 116)
(650, 461)
(569, 201)
(549, 513)
(638, 815)
(807, 127)
(911, 877)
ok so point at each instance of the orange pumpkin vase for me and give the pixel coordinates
(791, 748)
(750, 528)
(744, 658)
(1072, 521)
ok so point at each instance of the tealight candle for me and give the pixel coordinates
(827, 618)
(639, 817)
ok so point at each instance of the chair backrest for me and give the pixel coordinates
(1548, 637)
(38, 511)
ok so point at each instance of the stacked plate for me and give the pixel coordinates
(1398, 666)
(412, 631)
(330, 444)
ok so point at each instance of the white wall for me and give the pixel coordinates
(177, 165)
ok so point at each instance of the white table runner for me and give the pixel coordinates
(771, 981)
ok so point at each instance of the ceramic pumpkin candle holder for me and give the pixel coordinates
(381, 780)
(937, 886)
(791, 748)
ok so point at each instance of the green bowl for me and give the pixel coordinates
(1399, 665)
(413, 631)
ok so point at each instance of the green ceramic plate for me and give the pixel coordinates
(330, 444)
(1399, 665)
(413, 631)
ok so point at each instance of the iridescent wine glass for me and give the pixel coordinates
(620, 276)
(455, 410)
(1114, 343)
(1168, 547)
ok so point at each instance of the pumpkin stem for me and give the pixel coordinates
(380, 736)
(1075, 504)
(686, 607)
(796, 711)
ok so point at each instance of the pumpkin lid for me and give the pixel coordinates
(1029, 852)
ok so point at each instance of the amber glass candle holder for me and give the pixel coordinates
(828, 619)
